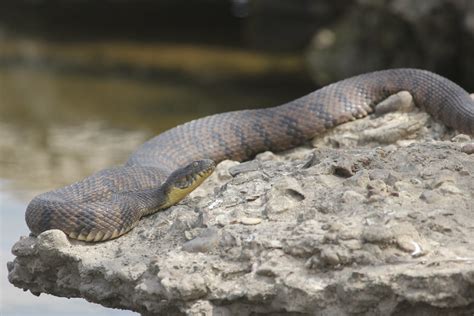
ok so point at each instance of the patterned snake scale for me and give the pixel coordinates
(110, 202)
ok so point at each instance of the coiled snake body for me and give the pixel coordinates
(164, 169)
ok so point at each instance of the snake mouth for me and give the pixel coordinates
(184, 180)
(194, 174)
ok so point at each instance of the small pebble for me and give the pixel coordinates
(376, 235)
(343, 169)
(350, 196)
(267, 156)
(449, 188)
(405, 243)
(207, 241)
(10, 266)
(430, 196)
(390, 148)
(405, 142)
(461, 138)
(376, 187)
(53, 238)
(329, 257)
(402, 101)
(468, 148)
(222, 220)
(418, 251)
(442, 178)
(325, 226)
(250, 220)
(353, 244)
(244, 167)
(222, 170)
(24, 247)
(403, 186)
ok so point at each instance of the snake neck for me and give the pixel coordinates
(154, 200)
(151, 201)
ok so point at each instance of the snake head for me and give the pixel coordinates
(192, 175)
(184, 180)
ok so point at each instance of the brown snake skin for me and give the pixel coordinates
(111, 202)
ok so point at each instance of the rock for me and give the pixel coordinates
(329, 257)
(430, 196)
(401, 128)
(461, 138)
(202, 308)
(401, 101)
(203, 243)
(266, 156)
(223, 170)
(468, 148)
(25, 247)
(220, 176)
(53, 239)
(248, 166)
(283, 25)
(352, 196)
(396, 129)
(377, 187)
(409, 245)
(368, 36)
(285, 194)
(334, 231)
(449, 188)
(441, 178)
(250, 220)
(377, 235)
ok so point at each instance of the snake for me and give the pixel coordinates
(166, 168)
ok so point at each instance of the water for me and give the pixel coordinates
(69, 109)
(13, 300)
(33, 161)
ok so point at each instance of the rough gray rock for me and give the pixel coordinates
(371, 35)
(370, 227)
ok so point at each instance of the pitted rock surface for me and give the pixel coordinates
(357, 225)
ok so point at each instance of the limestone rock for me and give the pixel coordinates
(367, 228)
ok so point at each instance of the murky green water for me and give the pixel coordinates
(67, 110)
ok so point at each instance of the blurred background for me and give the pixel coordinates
(84, 82)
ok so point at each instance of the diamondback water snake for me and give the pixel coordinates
(166, 168)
